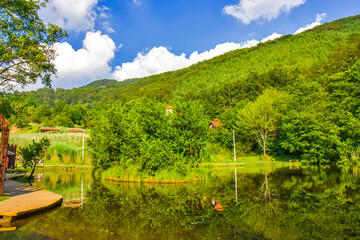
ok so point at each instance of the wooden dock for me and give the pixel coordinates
(24, 201)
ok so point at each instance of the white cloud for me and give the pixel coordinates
(104, 12)
(137, 2)
(220, 49)
(159, 60)
(88, 63)
(78, 15)
(319, 18)
(249, 10)
(107, 26)
(271, 37)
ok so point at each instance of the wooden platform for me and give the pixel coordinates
(12, 176)
(24, 201)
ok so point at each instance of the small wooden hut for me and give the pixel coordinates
(214, 124)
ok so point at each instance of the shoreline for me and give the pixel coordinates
(190, 175)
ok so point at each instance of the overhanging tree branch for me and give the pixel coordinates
(26, 54)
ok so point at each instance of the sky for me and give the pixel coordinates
(122, 39)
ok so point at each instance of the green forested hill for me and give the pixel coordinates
(273, 63)
(309, 82)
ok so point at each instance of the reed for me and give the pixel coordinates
(64, 149)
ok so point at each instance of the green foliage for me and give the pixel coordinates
(261, 118)
(102, 82)
(322, 123)
(317, 72)
(25, 51)
(142, 133)
(33, 153)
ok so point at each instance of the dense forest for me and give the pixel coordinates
(296, 95)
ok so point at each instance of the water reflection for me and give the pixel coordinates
(306, 203)
(72, 184)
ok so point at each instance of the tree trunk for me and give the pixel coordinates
(32, 171)
(264, 147)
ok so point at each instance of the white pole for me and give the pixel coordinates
(234, 146)
(83, 145)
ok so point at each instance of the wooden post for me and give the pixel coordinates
(3, 155)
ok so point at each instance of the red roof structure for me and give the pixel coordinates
(214, 124)
(75, 130)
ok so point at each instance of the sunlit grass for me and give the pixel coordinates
(229, 158)
(64, 149)
(2, 198)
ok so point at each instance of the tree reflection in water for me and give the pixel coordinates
(309, 203)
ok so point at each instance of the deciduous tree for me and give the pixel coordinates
(26, 52)
(33, 153)
(262, 116)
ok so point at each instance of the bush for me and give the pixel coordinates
(142, 133)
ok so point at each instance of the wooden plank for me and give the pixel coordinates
(12, 176)
(25, 199)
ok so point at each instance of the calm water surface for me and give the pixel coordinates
(270, 203)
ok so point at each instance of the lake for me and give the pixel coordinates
(265, 203)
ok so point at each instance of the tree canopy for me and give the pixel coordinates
(26, 54)
(142, 133)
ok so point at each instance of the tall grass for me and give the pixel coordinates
(64, 149)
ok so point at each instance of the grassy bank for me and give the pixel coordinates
(132, 174)
(65, 148)
(219, 154)
(187, 175)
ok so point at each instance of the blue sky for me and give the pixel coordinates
(123, 39)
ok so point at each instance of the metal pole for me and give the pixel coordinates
(234, 146)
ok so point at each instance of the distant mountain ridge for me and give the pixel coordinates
(106, 82)
(101, 82)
